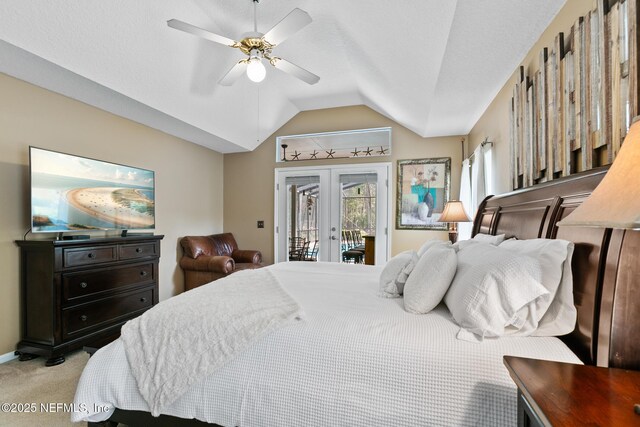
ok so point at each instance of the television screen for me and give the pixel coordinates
(72, 193)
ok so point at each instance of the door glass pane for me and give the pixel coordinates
(358, 214)
(302, 217)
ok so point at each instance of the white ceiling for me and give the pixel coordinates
(430, 65)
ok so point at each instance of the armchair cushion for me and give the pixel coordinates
(194, 246)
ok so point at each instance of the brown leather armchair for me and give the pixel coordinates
(208, 258)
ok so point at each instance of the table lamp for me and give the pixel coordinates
(454, 213)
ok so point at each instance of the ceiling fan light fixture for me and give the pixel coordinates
(256, 70)
(257, 46)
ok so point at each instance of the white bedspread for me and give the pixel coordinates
(356, 360)
(182, 339)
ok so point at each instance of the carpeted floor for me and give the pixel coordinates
(31, 382)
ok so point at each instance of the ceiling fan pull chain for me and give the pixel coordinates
(258, 119)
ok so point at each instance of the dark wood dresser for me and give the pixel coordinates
(78, 293)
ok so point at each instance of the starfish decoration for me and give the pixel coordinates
(296, 155)
(330, 153)
(368, 151)
(314, 154)
(382, 151)
(355, 152)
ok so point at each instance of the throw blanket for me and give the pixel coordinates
(185, 338)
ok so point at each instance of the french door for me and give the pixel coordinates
(322, 213)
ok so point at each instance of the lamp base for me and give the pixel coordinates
(453, 236)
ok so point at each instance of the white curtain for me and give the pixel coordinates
(473, 188)
(478, 187)
(464, 228)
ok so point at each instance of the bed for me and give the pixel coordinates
(358, 359)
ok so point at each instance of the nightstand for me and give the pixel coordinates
(563, 394)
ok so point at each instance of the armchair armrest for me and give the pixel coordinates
(215, 264)
(254, 257)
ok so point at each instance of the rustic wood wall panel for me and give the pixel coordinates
(551, 113)
(581, 96)
(530, 164)
(541, 113)
(614, 82)
(572, 113)
(599, 95)
(559, 137)
(589, 81)
(634, 40)
(569, 112)
(513, 159)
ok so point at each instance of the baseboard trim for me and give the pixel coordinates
(7, 357)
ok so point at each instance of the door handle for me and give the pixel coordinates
(333, 238)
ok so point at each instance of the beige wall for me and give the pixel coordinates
(188, 179)
(494, 123)
(249, 177)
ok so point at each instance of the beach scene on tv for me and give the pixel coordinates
(70, 193)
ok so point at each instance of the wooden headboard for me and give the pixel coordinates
(606, 264)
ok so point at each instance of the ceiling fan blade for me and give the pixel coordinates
(192, 29)
(293, 22)
(233, 74)
(294, 70)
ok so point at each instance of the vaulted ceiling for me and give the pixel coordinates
(432, 66)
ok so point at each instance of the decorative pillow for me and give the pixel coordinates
(487, 238)
(479, 238)
(554, 255)
(430, 243)
(492, 292)
(395, 274)
(461, 244)
(430, 279)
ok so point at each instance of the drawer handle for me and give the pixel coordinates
(83, 285)
(143, 299)
(91, 255)
(83, 318)
(143, 273)
(138, 250)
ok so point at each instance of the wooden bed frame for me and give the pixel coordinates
(606, 265)
(606, 274)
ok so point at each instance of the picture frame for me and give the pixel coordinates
(423, 188)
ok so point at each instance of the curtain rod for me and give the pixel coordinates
(482, 144)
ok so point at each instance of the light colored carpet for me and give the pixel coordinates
(31, 382)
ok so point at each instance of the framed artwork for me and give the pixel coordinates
(423, 190)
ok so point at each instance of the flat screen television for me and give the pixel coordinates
(73, 193)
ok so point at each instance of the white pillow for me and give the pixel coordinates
(430, 279)
(430, 243)
(492, 292)
(487, 238)
(555, 257)
(480, 238)
(395, 274)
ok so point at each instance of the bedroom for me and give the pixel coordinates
(197, 187)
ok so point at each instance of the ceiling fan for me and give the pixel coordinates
(258, 46)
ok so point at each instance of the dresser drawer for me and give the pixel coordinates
(85, 283)
(106, 310)
(88, 256)
(140, 250)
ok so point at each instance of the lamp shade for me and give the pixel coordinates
(454, 212)
(615, 203)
